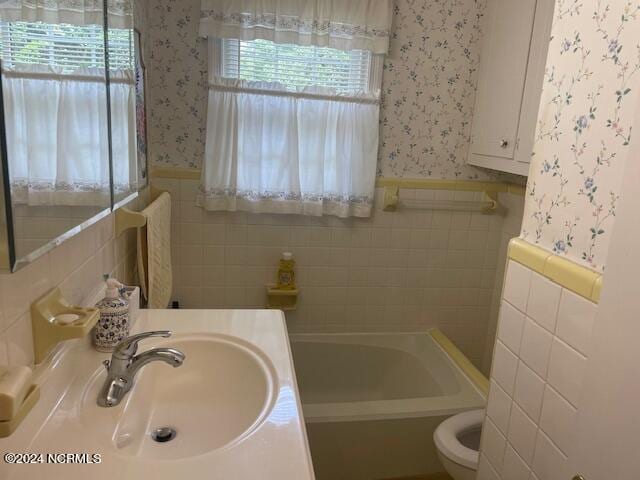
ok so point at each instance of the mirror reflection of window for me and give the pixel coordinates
(69, 117)
(56, 121)
(53, 84)
(122, 89)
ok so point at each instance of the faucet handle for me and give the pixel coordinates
(128, 347)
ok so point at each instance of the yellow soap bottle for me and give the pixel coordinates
(286, 272)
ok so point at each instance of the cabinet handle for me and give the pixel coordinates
(578, 477)
(504, 143)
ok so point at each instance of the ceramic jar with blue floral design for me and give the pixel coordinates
(113, 325)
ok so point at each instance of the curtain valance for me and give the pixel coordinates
(73, 12)
(345, 25)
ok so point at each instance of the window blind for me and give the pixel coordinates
(66, 47)
(296, 66)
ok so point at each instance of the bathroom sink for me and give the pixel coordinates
(223, 391)
(233, 403)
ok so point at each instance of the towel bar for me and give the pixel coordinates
(391, 202)
(126, 219)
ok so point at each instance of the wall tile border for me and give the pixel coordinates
(413, 183)
(577, 278)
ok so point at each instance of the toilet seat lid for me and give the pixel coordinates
(446, 438)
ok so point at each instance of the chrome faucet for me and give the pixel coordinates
(124, 364)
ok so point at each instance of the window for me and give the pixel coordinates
(291, 128)
(296, 67)
(66, 47)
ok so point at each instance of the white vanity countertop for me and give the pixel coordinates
(275, 449)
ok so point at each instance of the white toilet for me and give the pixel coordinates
(458, 441)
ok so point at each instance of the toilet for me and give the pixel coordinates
(458, 442)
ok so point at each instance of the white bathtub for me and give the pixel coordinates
(372, 401)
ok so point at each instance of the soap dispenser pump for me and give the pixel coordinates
(113, 325)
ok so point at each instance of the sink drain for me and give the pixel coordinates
(163, 434)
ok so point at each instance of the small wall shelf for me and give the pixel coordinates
(279, 299)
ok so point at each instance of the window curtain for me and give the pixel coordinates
(341, 24)
(123, 132)
(73, 12)
(310, 151)
(56, 119)
(56, 136)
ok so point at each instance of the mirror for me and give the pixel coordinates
(126, 92)
(69, 120)
(54, 89)
(5, 237)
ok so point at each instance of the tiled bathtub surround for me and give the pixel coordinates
(402, 271)
(541, 349)
(76, 267)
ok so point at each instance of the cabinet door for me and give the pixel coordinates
(503, 69)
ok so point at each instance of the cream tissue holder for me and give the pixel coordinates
(18, 395)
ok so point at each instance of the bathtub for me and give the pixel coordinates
(371, 402)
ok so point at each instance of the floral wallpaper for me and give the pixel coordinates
(428, 87)
(584, 128)
(177, 76)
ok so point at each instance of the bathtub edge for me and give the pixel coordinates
(473, 374)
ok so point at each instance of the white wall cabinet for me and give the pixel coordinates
(512, 63)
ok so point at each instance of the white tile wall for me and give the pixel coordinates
(575, 320)
(566, 370)
(549, 461)
(36, 226)
(528, 391)
(544, 298)
(76, 267)
(522, 433)
(486, 470)
(517, 285)
(510, 228)
(514, 467)
(542, 405)
(402, 271)
(499, 407)
(493, 444)
(511, 325)
(535, 348)
(505, 367)
(558, 418)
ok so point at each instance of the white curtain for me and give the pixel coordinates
(73, 12)
(285, 153)
(57, 136)
(56, 118)
(123, 132)
(273, 149)
(341, 24)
